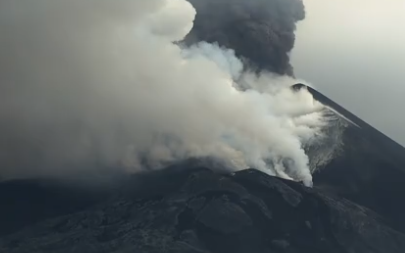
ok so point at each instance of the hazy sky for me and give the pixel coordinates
(354, 52)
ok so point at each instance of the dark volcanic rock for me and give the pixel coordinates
(203, 211)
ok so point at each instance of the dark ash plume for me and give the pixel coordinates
(260, 31)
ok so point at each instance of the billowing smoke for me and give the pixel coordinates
(100, 84)
(260, 31)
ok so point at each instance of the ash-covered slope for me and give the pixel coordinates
(190, 209)
(369, 167)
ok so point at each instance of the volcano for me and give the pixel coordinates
(92, 89)
(354, 206)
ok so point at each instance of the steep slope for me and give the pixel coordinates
(203, 211)
(369, 168)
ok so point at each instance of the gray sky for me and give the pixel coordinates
(354, 52)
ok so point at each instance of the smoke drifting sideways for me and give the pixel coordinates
(260, 31)
(90, 84)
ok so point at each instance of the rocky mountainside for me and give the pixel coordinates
(369, 168)
(193, 209)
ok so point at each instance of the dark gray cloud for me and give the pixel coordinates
(261, 31)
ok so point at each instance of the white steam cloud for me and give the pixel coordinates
(102, 82)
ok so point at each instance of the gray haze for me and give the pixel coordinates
(354, 52)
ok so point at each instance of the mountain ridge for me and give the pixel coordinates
(206, 211)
